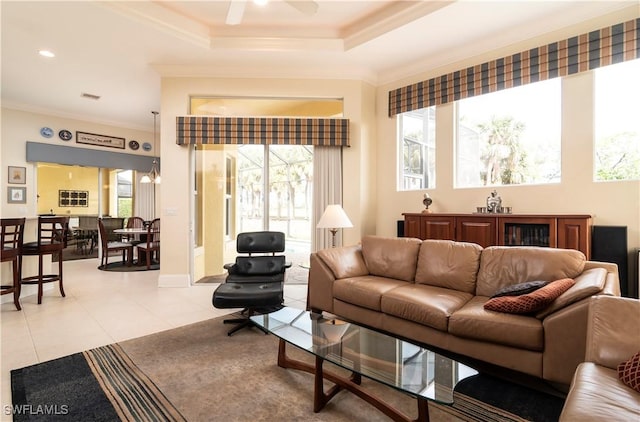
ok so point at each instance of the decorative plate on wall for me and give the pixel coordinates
(134, 145)
(146, 146)
(65, 135)
(47, 132)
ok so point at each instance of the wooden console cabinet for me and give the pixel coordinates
(555, 231)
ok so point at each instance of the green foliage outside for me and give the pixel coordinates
(503, 157)
(618, 157)
(125, 207)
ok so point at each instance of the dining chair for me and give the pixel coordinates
(51, 241)
(113, 246)
(133, 223)
(152, 243)
(12, 236)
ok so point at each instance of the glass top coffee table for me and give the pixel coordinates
(409, 368)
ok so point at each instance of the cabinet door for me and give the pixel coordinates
(412, 226)
(527, 232)
(442, 228)
(480, 230)
(574, 233)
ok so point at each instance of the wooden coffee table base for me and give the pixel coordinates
(352, 384)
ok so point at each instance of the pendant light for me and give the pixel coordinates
(154, 175)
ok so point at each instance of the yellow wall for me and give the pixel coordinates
(52, 178)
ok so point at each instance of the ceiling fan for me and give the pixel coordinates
(236, 8)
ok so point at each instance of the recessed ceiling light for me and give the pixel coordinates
(261, 2)
(46, 53)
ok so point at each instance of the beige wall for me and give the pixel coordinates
(176, 201)
(19, 126)
(610, 203)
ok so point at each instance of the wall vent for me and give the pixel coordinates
(90, 96)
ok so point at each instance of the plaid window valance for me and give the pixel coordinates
(262, 130)
(613, 44)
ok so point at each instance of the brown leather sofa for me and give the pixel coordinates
(613, 336)
(433, 292)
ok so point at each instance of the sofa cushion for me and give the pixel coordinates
(391, 257)
(629, 372)
(344, 262)
(427, 305)
(364, 291)
(449, 264)
(530, 302)
(501, 266)
(474, 322)
(520, 288)
(598, 395)
(587, 284)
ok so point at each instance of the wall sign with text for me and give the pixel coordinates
(100, 140)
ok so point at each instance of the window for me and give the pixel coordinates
(417, 138)
(510, 137)
(617, 126)
(125, 193)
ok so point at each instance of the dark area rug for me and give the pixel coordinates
(120, 267)
(198, 373)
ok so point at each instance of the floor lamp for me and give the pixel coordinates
(334, 218)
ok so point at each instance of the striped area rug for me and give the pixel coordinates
(133, 395)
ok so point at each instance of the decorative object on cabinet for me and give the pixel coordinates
(494, 202)
(16, 195)
(427, 201)
(65, 135)
(99, 140)
(17, 175)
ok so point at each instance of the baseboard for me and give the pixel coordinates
(174, 280)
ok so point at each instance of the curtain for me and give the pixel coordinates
(327, 190)
(261, 130)
(606, 46)
(144, 201)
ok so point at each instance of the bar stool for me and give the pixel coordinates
(12, 235)
(51, 239)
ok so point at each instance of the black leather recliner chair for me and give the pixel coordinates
(255, 282)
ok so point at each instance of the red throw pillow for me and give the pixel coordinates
(530, 302)
(629, 372)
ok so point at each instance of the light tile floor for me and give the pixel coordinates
(100, 308)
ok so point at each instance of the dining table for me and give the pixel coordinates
(130, 231)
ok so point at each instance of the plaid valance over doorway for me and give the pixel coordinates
(262, 130)
(610, 45)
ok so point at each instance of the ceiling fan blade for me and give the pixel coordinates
(307, 7)
(235, 12)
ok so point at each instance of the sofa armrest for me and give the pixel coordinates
(612, 282)
(613, 331)
(320, 285)
(565, 338)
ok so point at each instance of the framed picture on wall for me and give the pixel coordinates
(17, 175)
(16, 195)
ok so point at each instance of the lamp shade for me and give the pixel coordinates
(334, 217)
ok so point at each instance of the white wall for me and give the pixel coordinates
(176, 200)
